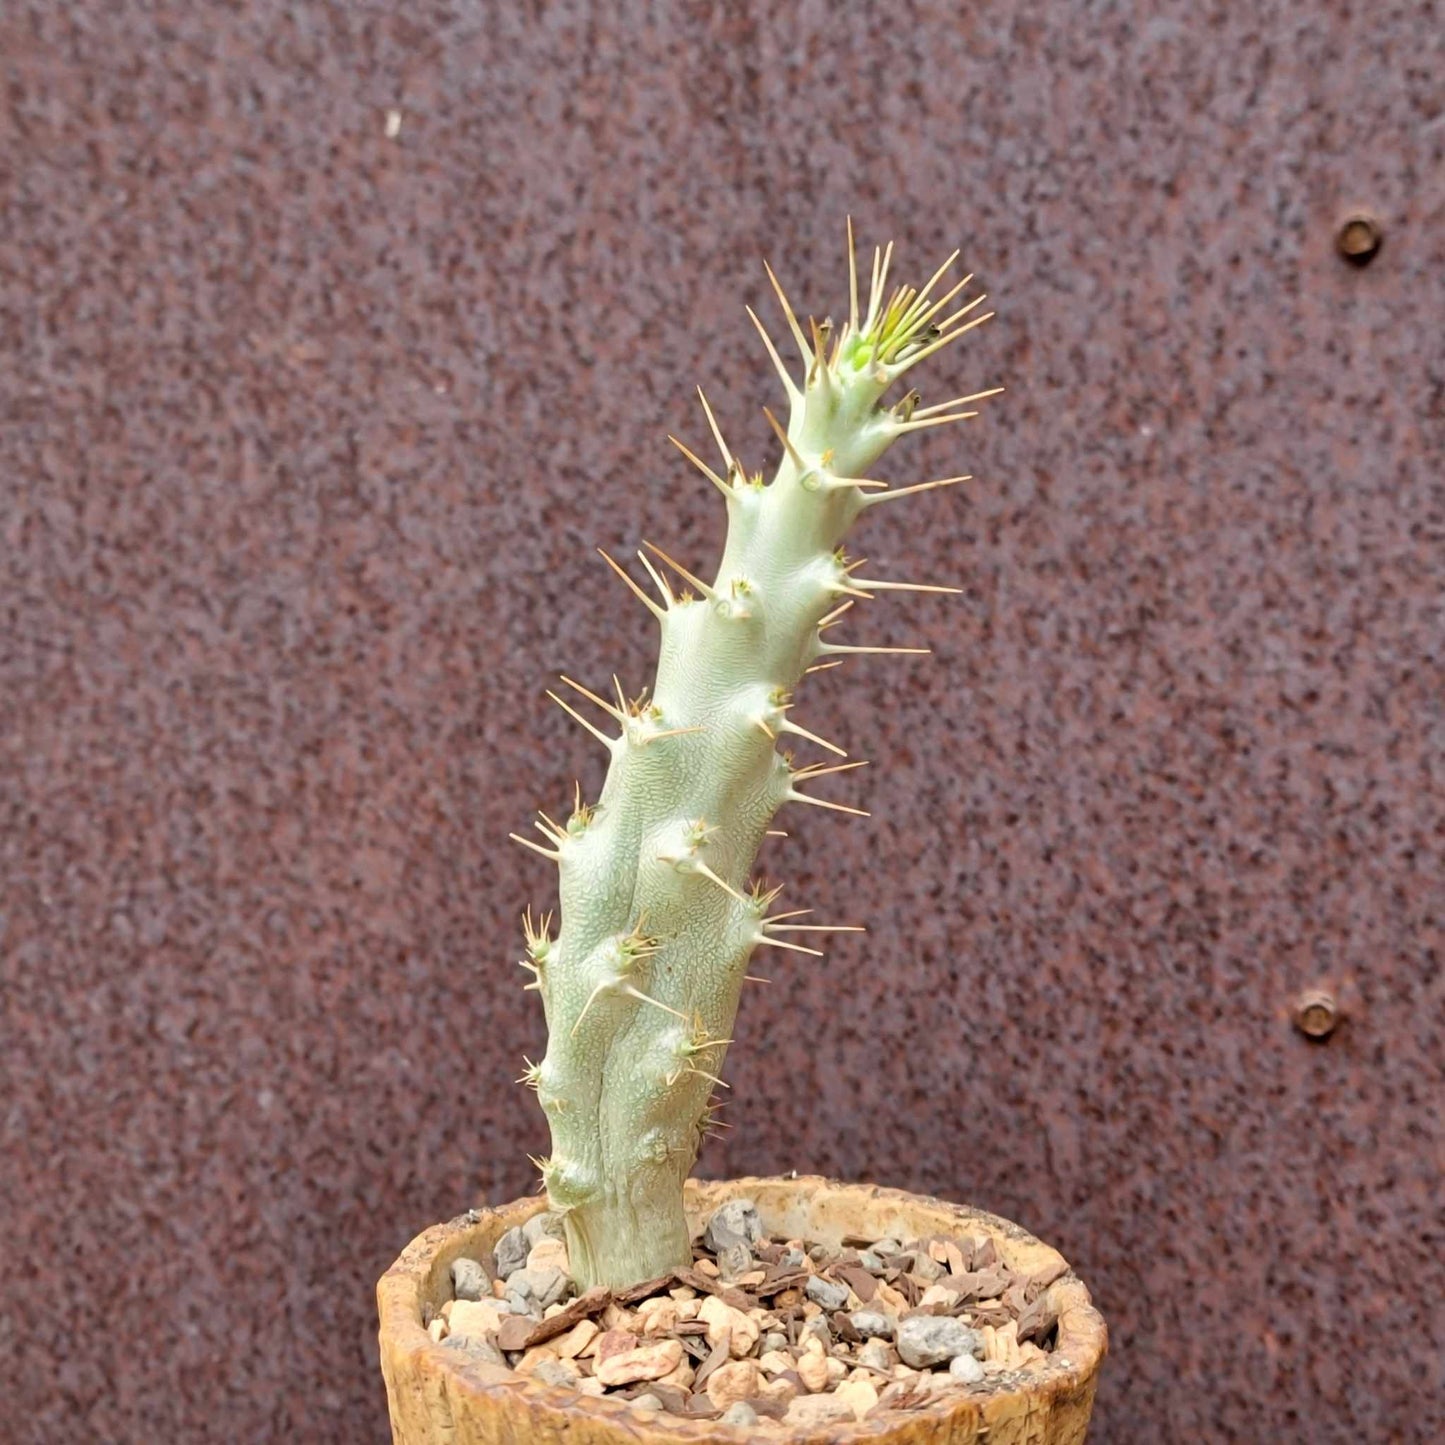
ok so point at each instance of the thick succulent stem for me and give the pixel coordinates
(659, 918)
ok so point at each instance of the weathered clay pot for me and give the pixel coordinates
(437, 1395)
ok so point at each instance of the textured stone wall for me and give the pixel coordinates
(310, 426)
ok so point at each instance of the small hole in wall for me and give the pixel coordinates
(1359, 240)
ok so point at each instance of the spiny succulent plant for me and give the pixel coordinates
(659, 915)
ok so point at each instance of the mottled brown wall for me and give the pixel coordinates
(308, 436)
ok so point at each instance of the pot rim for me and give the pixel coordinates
(403, 1290)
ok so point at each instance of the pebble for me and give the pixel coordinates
(737, 1222)
(818, 1410)
(812, 1368)
(474, 1319)
(537, 1287)
(541, 1226)
(548, 1253)
(740, 1413)
(938, 1294)
(470, 1281)
(776, 1361)
(510, 1252)
(658, 1316)
(870, 1261)
(879, 1355)
(475, 1349)
(734, 1260)
(859, 1396)
(872, 1324)
(723, 1320)
(817, 1327)
(773, 1340)
(648, 1401)
(734, 1381)
(932, 1339)
(965, 1369)
(646, 1362)
(926, 1268)
(792, 1259)
(570, 1345)
(826, 1292)
(557, 1372)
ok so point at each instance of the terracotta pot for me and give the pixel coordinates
(437, 1395)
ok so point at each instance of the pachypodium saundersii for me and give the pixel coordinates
(659, 917)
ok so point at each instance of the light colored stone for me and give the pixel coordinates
(878, 1355)
(736, 1222)
(812, 1368)
(538, 1287)
(437, 1330)
(926, 1270)
(645, 1402)
(687, 1308)
(812, 1410)
(965, 1369)
(570, 1345)
(722, 1319)
(592, 1387)
(776, 1361)
(683, 1293)
(925, 1340)
(614, 1317)
(740, 1413)
(872, 1324)
(557, 1372)
(707, 1267)
(474, 1319)
(837, 1370)
(547, 1254)
(773, 1340)
(682, 1377)
(890, 1299)
(657, 1317)
(474, 1347)
(777, 1389)
(647, 1362)
(859, 1395)
(937, 1294)
(1001, 1345)
(734, 1381)
(535, 1356)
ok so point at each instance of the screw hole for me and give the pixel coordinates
(1359, 240)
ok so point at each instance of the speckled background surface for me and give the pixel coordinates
(308, 436)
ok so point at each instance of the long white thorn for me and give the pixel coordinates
(703, 467)
(903, 427)
(680, 569)
(852, 281)
(642, 597)
(957, 401)
(783, 943)
(641, 997)
(790, 315)
(892, 496)
(794, 796)
(877, 586)
(658, 579)
(788, 726)
(549, 853)
(794, 455)
(820, 928)
(572, 712)
(821, 770)
(858, 651)
(789, 385)
(704, 871)
(592, 697)
(717, 436)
